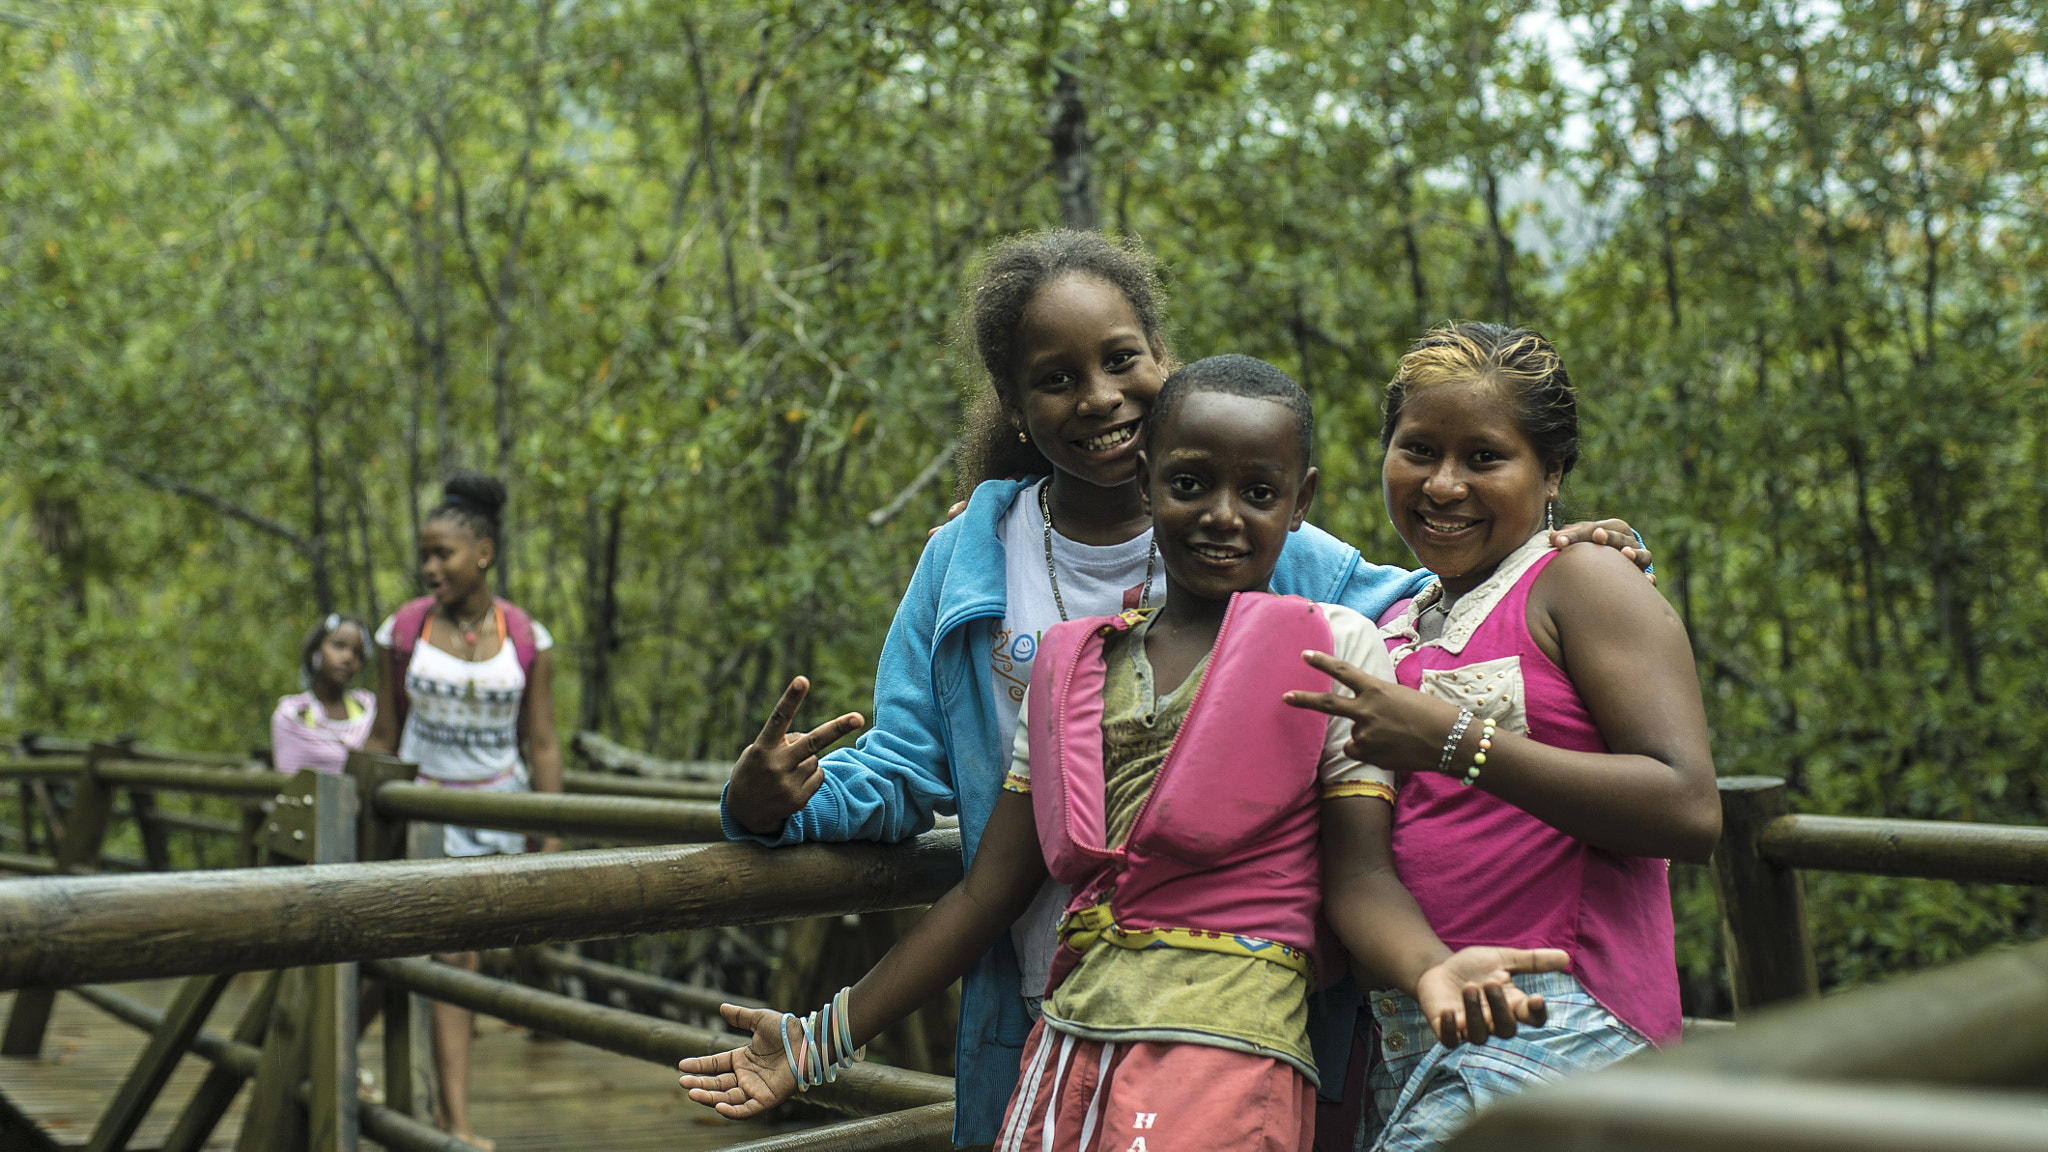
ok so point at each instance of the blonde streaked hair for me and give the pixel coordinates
(1521, 365)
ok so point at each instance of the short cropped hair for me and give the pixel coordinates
(1235, 375)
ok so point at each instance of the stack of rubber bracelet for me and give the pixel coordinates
(824, 1043)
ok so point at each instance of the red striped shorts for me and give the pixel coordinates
(1143, 1096)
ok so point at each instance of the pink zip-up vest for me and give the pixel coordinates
(1486, 872)
(1226, 841)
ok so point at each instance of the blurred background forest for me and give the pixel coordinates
(685, 274)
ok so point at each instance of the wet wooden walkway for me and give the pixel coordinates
(527, 1096)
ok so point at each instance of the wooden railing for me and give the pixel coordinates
(1913, 1064)
(357, 907)
(1925, 1063)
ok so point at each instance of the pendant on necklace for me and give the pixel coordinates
(469, 638)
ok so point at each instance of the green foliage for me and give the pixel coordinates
(685, 276)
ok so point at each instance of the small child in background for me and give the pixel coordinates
(316, 728)
(1158, 773)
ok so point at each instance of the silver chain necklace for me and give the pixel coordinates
(1045, 514)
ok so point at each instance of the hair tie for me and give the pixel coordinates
(332, 622)
(458, 500)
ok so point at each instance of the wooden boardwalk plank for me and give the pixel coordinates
(529, 1097)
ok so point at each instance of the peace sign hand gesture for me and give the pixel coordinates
(778, 772)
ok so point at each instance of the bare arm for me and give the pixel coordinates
(384, 729)
(938, 950)
(1650, 794)
(544, 748)
(1379, 922)
(1007, 873)
(1468, 995)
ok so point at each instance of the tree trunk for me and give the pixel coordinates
(601, 568)
(1503, 246)
(1073, 147)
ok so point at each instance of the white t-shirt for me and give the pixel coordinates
(1094, 581)
(462, 716)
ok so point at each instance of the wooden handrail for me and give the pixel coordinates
(614, 784)
(862, 1090)
(179, 777)
(1905, 1046)
(1929, 849)
(231, 1054)
(626, 818)
(926, 1129)
(646, 987)
(38, 768)
(76, 930)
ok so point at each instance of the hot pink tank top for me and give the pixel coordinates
(1486, 872)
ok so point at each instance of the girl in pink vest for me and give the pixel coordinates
(1158, 773)
(315, 729)
(1548, 732)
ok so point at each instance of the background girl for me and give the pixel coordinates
(1067, 329)
(465, 679)
(315, 728)
(1549, 729)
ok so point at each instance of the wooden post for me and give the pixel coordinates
(249, 840)
(275, 1122)
(216, 1093)
(313, 1029)
(166, 1047)
(156, 844)
(412, 1050)
(408, 1052)
(334, 1121)
(1763, 905)
(92, 806)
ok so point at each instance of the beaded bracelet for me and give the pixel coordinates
(1479, 757)
(1443, 762)
(1648, 569)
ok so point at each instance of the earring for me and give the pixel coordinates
(483, 563)
(1550, 515)
(1023, 437)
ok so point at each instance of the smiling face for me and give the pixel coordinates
(1085, 378)
(1464, 485)
(453, 559)
(1226, 484)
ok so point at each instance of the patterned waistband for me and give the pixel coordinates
(486, 782)
(1096, 924)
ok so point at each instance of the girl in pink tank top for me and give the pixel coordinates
(1547, 732)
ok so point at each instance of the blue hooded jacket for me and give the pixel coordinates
(934, 746)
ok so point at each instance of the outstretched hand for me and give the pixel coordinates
(778, 772)
(1614, 534)
(744, 1082)
(1472, 995)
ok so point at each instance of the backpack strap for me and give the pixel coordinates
(406, 624)
(519, 630)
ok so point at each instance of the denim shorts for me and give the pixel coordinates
(1422, 1093)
